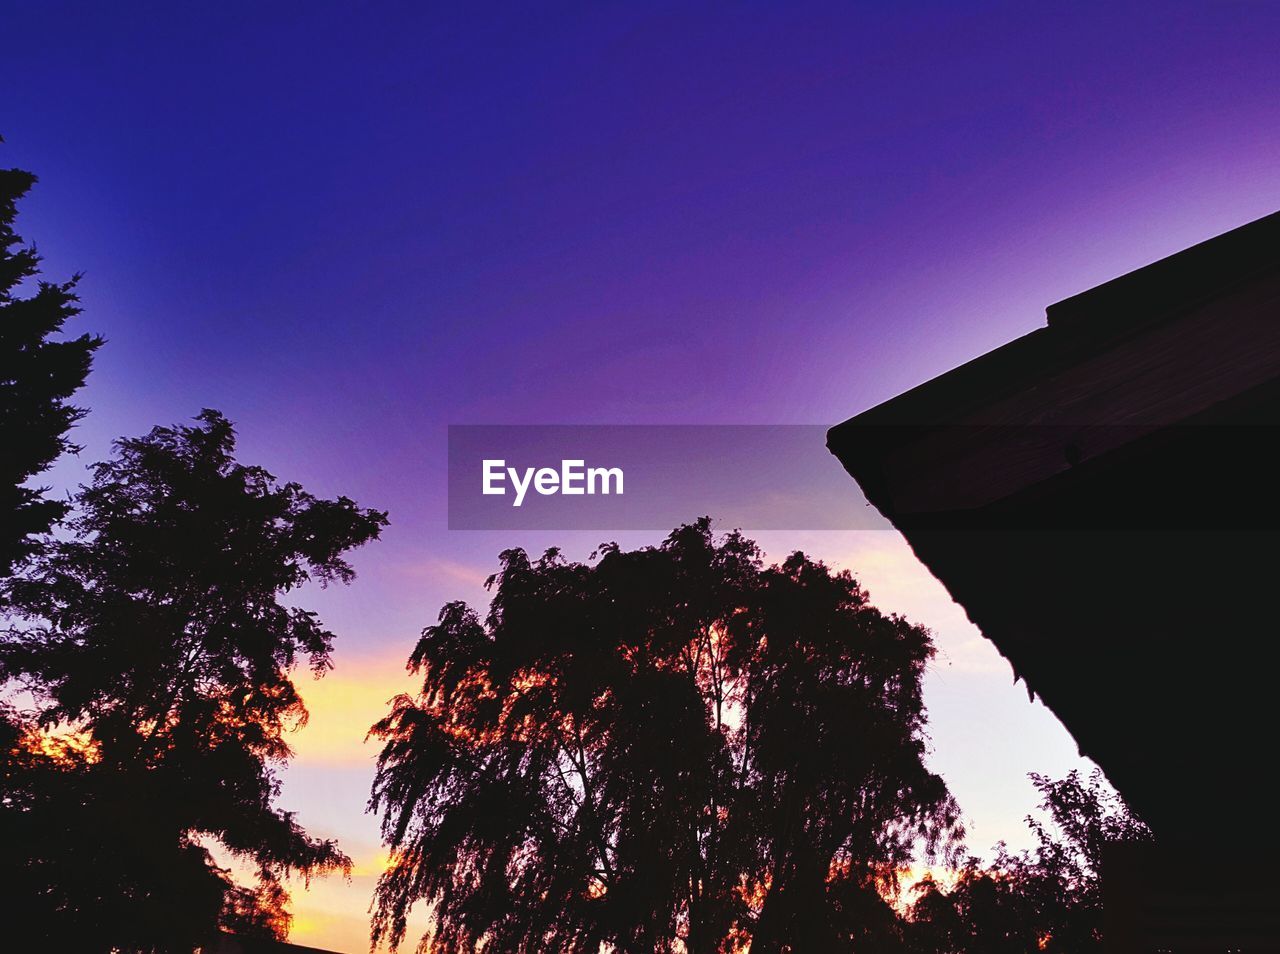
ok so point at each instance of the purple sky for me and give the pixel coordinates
(348, 227)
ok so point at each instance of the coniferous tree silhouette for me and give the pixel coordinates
(675, 748)
(159, 649)
(38, 375)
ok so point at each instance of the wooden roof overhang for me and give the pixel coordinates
(1102, 496)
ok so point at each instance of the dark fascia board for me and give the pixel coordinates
(1172, 284)
(1076, 327)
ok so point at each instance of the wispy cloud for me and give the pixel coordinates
(440, 568)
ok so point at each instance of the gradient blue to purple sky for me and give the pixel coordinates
(348, 226)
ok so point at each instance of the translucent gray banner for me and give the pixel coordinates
(649, 477)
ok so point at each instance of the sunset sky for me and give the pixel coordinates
(349, 226)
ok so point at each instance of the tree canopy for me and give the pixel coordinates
(158, 643)
(39, 373)
(670, 748)
(1047, 899)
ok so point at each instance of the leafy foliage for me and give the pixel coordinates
(158, 638)
(1048, 899)
(671, 748)
(38, 374)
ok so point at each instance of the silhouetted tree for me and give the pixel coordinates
(1048, 899)
(38, 374)
(160, 650)
(670, 748)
